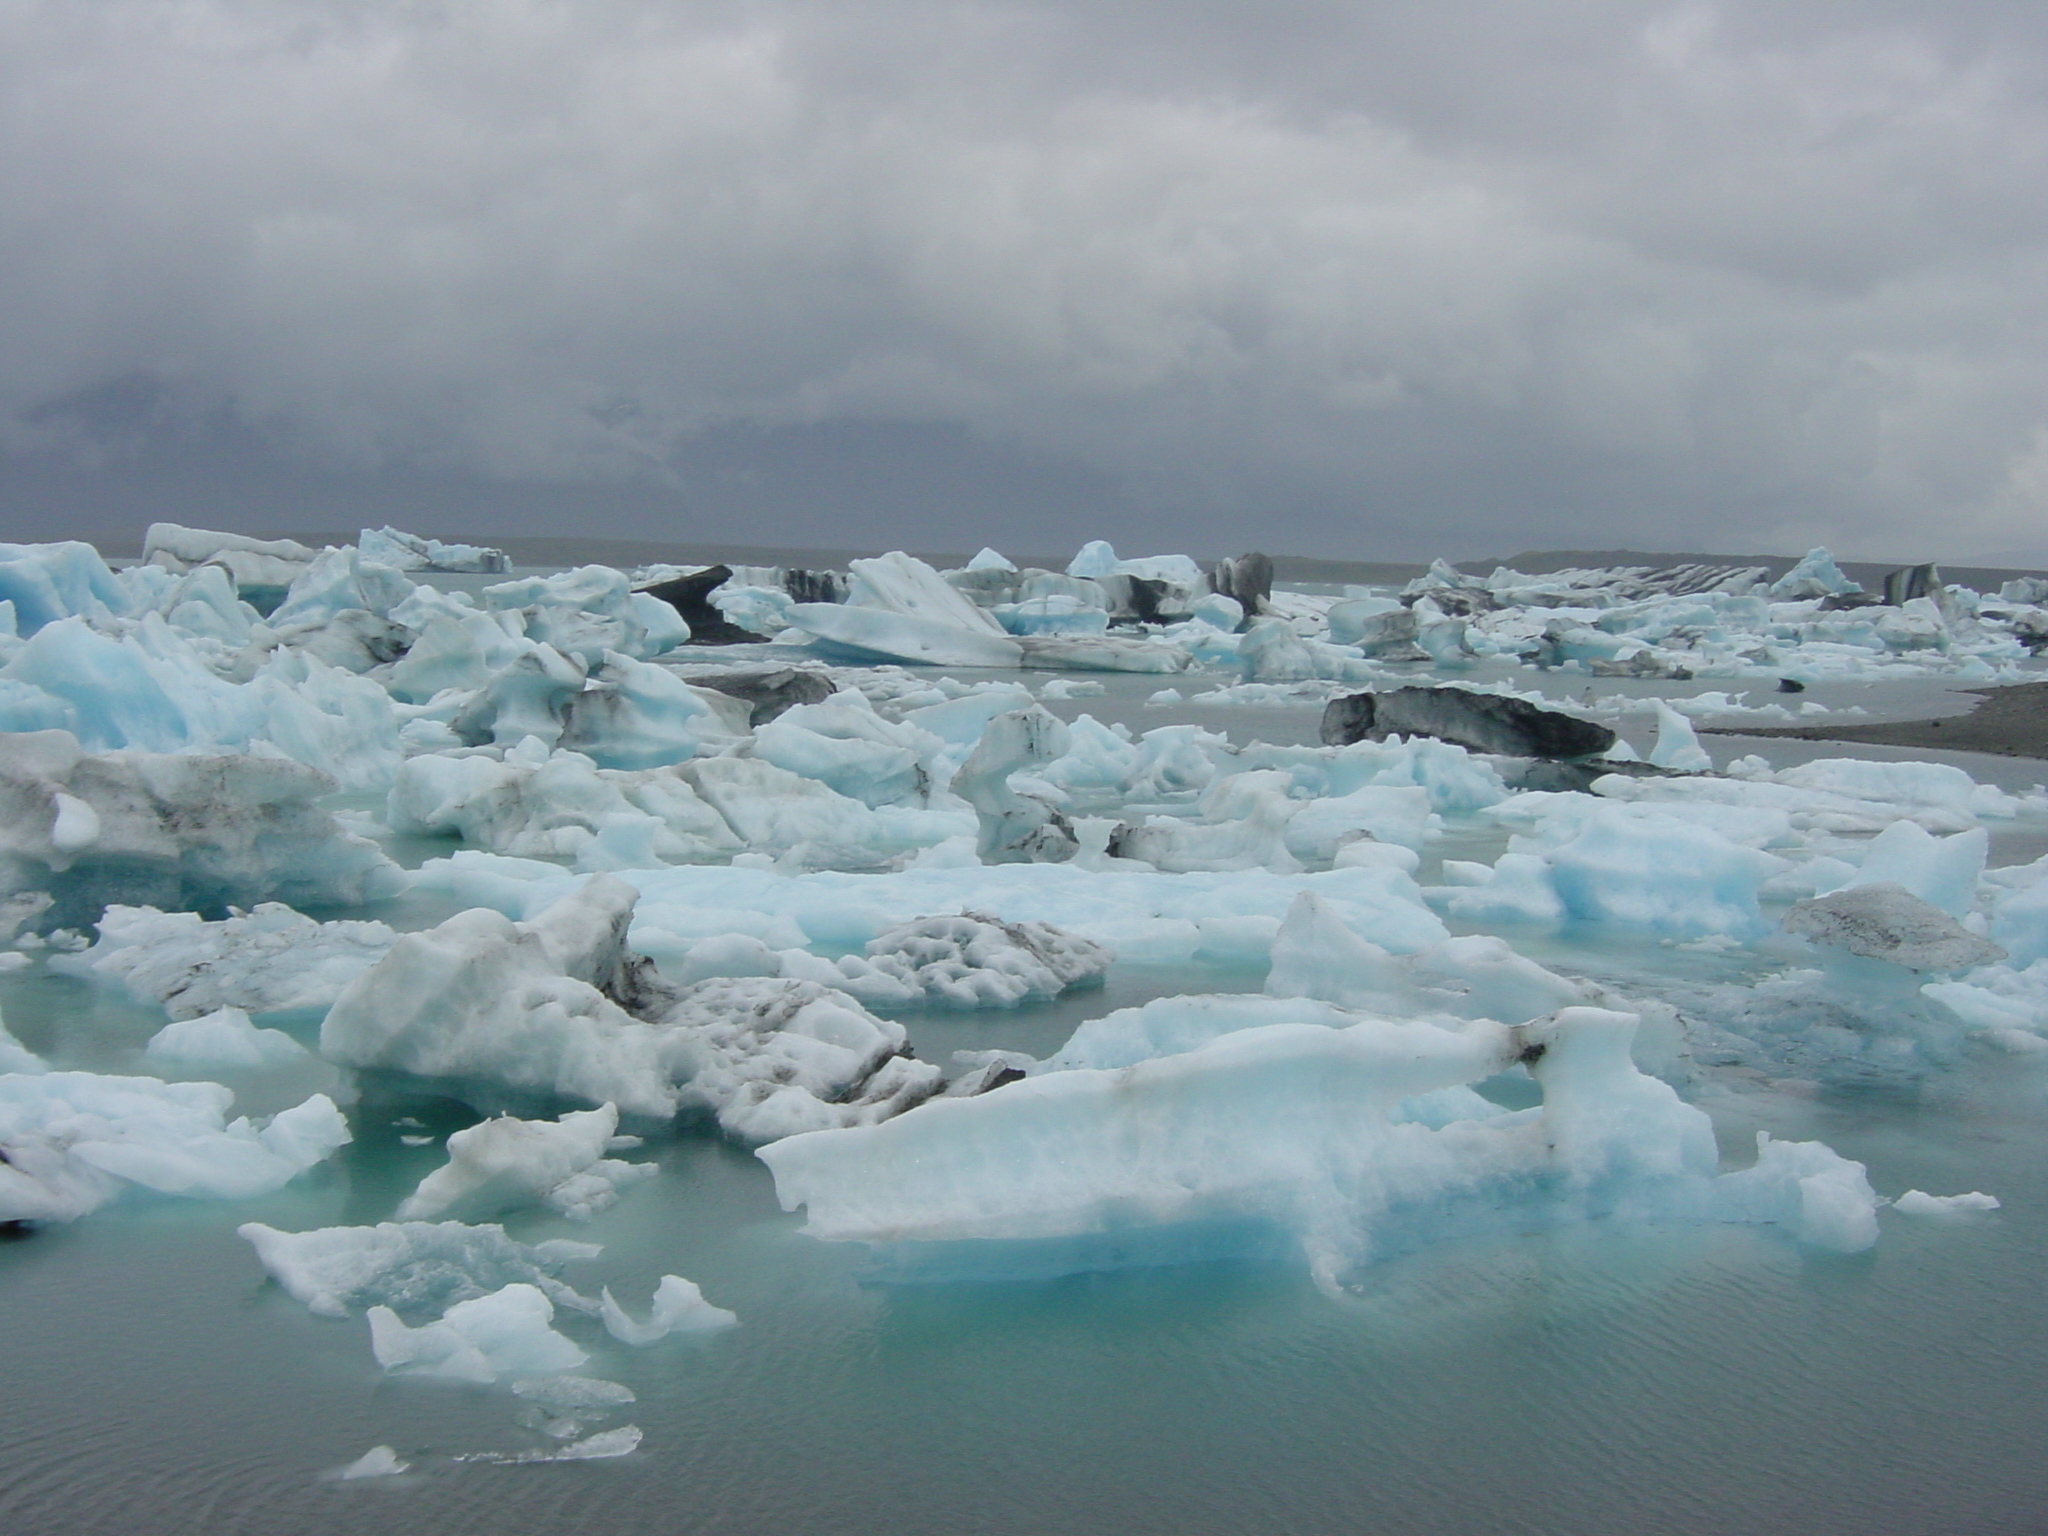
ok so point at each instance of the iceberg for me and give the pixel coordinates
(1287, 1135)
(508, 1332)
(543, 1006)
(410, 552)
(172, 830)
(505, 1162)
(269, 959)
(71, 1141)
(679, 1307)
(417, 1268)
(224, 1039)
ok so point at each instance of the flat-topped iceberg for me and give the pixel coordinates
(1289, 1135)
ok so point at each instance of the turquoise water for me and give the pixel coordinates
(1581, 1381)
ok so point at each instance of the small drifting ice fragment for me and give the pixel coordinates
(377, 1461)
(601, 1446)
(224, 1038)
(679, 1307)
(1916, 1202)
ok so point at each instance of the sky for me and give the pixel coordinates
(1373, 281)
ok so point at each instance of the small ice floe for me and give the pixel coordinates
(602, 1446)
(679, 1307)
(1917, 1202)
(377, 1461)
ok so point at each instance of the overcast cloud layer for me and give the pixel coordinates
(1365, 280)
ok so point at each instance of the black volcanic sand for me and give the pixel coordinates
(2009, 722)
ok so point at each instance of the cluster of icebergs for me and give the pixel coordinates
(678, 891)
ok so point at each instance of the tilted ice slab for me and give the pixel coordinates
(1289, 1135)
(870, 633)
(173, 830)
(71, 1141)
(505, 1162)
(269, 959)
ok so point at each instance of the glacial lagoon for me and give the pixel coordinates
(1509, 1367)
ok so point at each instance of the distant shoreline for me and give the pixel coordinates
(2010, 721)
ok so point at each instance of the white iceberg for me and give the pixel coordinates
(71, 1141)
(504, 1162)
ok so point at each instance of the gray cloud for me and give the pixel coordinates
(1374, 280)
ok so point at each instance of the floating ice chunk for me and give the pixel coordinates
(178, 830)
(503, 1333)
(844, 743)
(409, 552)
(990, 560)
(1271, 652)
(1014, 827)
(679, 1307)
(265, 960)
(377, 1461)
(528, 696)
(1292, 1130)
(1244, 821)
(770, 1057)
(1816, 575)
(1807, 1187)
(1097, 558)
(1480, 722)
(977, 961)
(1884, 921)
(1219, 612)
(1899, 784)
(416, 1267)
(1173, 1026)
(1316, 954)
(632, 714)
(482, 997)
(1391, 813)
(1677, 747)
(1941, 871)
(805, 821)
(574, 1394)
(1916, 1202)
(260, 563)
(868, 633)
(1627, 866)
(605, 1444)
(537, 804)
(504, 1162)
(538, 1005)
(902, 584)
(70, 1141)
(222, 1039)
(1101, 653)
